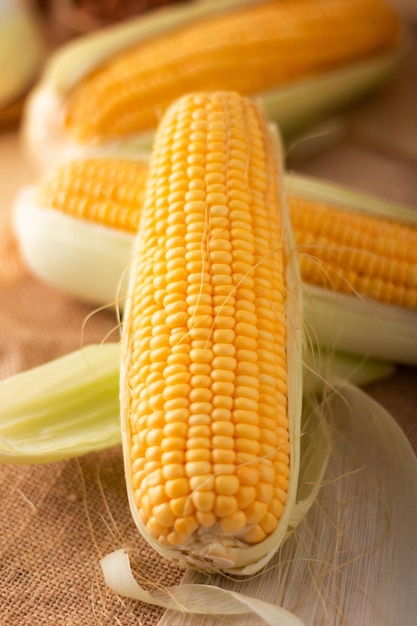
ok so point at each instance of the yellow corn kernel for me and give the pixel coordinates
(339, 249)
(351, 252)
(99, 190)
(221, 490)
(251, 49)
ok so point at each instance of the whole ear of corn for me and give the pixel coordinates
(357, 254)
(211, 379)
(289, 52)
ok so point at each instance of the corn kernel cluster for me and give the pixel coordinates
(250, 50)
(351, 252)
(104, 191)
(207, 371)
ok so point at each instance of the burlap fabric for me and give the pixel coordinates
(58, 520)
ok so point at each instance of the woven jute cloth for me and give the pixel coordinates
(58, 519)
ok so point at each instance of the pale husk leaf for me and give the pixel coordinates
(362, 326)
(352, 558)
(61, 409)
(70, 406)
(81, 258)
(197, 599)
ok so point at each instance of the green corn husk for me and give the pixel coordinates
(61, 409)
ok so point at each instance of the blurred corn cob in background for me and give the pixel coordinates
(302, 59)
(357, 254)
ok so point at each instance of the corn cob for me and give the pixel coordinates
(340, 249)
(209, 420)
(133, 73)
(353, 251)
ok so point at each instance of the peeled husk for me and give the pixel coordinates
(81, 258)
(61, 409)
(349, 561)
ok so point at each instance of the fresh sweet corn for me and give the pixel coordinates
(207, 360)
(357, 254)
(103, 90)
(341, 250)
(251, 49)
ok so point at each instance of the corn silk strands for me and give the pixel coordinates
(350, 560)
